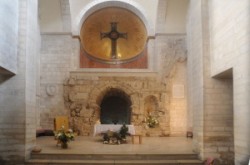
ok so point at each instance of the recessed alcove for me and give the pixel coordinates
(115, 108)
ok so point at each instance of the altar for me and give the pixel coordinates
(103, 128)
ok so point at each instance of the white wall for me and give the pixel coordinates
(57, 60)
(229, 33)
(32, 37)
(195, 73)
(150, 8)
(50, 16)
(9, 36)
(218, 41)
(176, 16)
(18, 92)
(230, 48)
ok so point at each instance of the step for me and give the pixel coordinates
(113, 162)
(46, 156)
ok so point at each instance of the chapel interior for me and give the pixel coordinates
(172, 70)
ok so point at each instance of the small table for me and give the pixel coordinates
(137, 136)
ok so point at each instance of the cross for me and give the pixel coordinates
(114, 35)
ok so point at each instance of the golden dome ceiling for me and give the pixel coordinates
(113, 35)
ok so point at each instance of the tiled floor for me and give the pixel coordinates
(94, 145)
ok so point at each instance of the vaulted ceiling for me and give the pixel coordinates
(172, 12)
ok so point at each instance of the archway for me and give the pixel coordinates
(115, 107)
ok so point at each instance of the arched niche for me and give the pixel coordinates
(151, 105)
(115, 107)
(103, 94)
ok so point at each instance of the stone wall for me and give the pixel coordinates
(54, 16)
(218, 124)
(9, 35)
(178, 100)
(33, 42)
(18, 96)
(218, 104)
(60, 56)
(171, 50)
(66, 17)
(57, 59)
(83, 96)
(229, 33)
(223, 51)
(195, 74)
(161, 16)
(230, 49)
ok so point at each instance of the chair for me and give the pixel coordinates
(61, 121)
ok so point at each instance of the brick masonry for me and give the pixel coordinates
(57, 60)
(230, 38)
(18, 106)
(218, 41)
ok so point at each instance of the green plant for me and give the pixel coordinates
(124, 131)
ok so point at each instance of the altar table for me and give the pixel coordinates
(103, 128)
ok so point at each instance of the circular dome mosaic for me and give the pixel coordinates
(113, 35)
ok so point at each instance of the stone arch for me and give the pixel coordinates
(129, 5)
(115, 107)
(98, 93)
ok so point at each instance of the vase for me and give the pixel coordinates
(64, 145)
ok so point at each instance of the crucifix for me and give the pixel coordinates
(113, 35)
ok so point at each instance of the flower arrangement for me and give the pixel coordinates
(63, 137)
(111, 137)
(151, 121)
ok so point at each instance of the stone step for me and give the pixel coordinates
(46, 156)
(113, 162)
(113, 159)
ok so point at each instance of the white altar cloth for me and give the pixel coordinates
(102, 128)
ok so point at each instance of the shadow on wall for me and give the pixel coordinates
(4, 72)
(4, 77)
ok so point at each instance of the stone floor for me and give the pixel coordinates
(94, 145)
